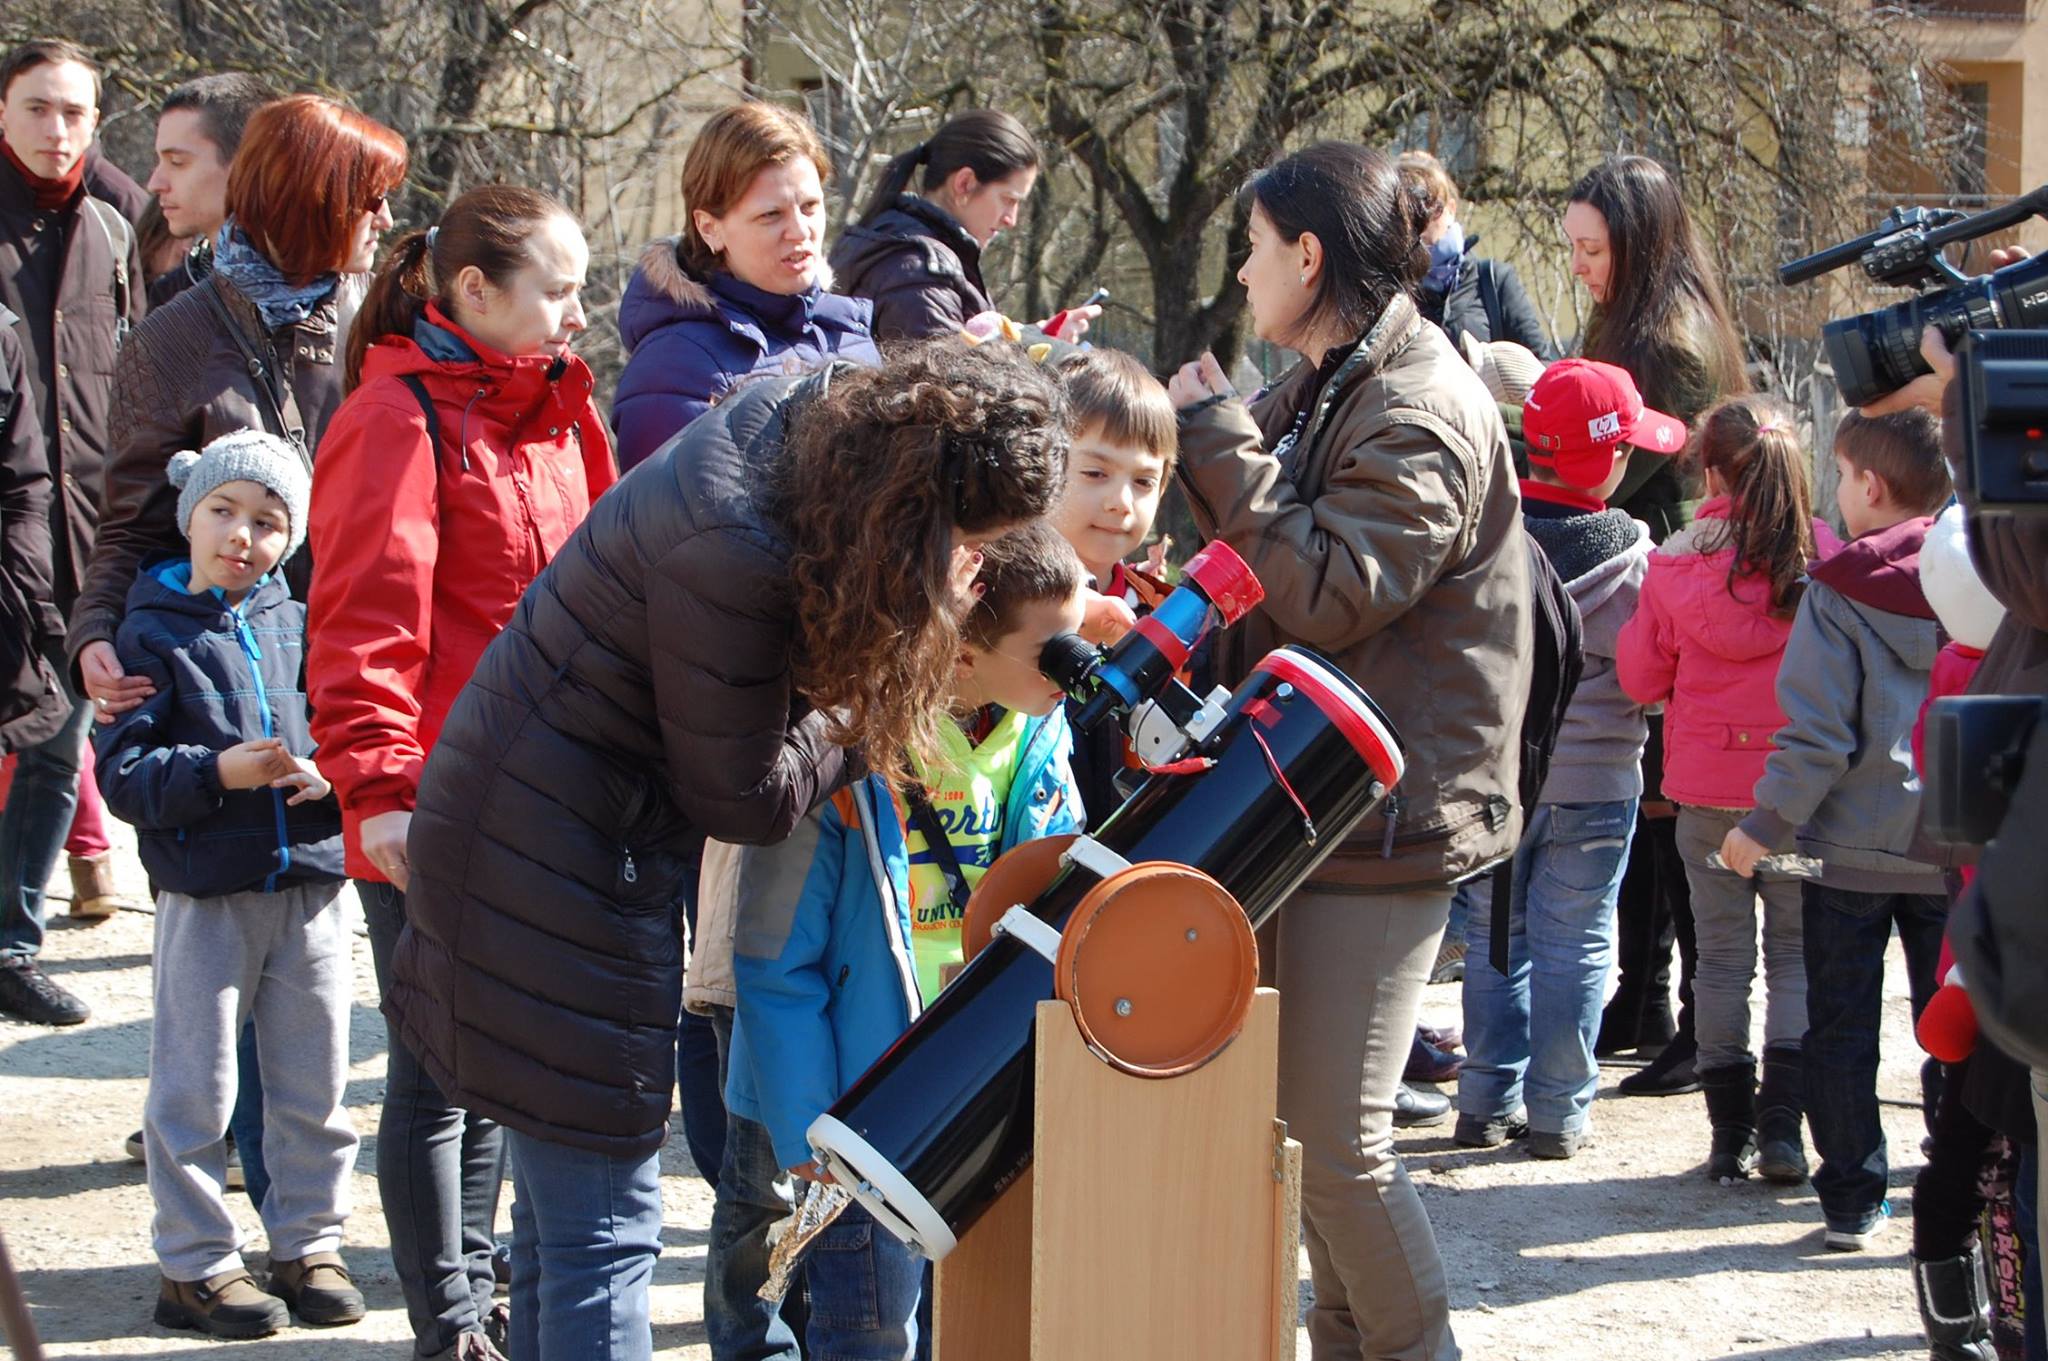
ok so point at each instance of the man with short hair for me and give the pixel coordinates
(197, 135)
(70, 268)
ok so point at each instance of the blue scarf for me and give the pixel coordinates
(1444, 258)
(281, 301)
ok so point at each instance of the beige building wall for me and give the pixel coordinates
(2000, 47)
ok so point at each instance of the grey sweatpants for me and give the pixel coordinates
(1724, 914)
(284, 958)
(1351, 968)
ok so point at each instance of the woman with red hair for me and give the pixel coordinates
(257, 346)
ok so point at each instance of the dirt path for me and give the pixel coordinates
(1625, 1251)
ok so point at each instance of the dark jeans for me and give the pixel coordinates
(33, 826)
(439, 1169)
(1846, 936)
(2026, 1188)
(245, 1123)
(700, 1076)
(1653, 911)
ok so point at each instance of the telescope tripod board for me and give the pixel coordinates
(1159, 1222)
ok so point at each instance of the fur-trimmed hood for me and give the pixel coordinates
(664, 291)
(693, 338)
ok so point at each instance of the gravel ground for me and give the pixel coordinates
(1624, 1251)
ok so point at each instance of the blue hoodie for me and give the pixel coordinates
(224, 674)
(821, 954)
(693, 340)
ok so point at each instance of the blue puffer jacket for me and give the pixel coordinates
(821, 952)
(692, 340)
(224, 674)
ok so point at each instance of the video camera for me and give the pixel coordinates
(1997, 323)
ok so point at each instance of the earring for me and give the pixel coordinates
(1304, 280)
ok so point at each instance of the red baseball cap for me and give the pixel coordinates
(1581, 413)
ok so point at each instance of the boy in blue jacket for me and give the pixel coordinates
(849, 928)
(243, 841)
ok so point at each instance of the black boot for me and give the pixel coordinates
(1731, 1109)
(1670, 1074)
(1955, 1307)
(1780, 1105)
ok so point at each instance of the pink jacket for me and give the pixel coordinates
(1711, 657)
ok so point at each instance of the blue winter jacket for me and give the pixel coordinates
(224, 674)
(692, 340)
(821, 946)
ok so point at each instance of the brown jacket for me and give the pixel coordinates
(74, 277)
(182, 381)
(1389, 541)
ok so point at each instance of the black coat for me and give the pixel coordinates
(917, 264)
(223, 676)
(641, 696)
(33, 707)
(1464, 308)
(74, 277)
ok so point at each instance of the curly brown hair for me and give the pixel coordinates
(882, 467)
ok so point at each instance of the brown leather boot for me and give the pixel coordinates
(318, 1289)
(227, 1305)
(93, 895)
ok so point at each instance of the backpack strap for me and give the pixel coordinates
(418, 389)
(1489, 298)
(104, 213)
(284, 406)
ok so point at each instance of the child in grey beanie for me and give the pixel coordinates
(245, 456)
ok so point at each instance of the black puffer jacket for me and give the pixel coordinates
(640, 696)
(917, 264)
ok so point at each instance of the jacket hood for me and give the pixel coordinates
(1622, 570)
(664, 291)
(438, 348)
(1880, 571)
(1694, 564)
(166, 586)
(912, 221)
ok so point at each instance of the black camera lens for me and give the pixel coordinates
(1879, 351)
(1068, 660)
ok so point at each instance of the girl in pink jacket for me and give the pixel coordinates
(1705, 642)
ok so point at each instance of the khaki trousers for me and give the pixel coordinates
(1351, 968)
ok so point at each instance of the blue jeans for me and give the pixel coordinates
(586, 1229)
(1534, 1028)
(32, 831)
(700, 1074)
(865, 1288)
(1846, 935)
(753, 1193)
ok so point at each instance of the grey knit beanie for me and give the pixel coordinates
(244, 456)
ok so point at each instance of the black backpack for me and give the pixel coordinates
(1557, 656)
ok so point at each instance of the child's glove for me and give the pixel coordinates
(1947, 1027)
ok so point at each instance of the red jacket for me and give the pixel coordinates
(390, 639)
(1711, 658)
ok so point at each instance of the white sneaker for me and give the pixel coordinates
(1860, 1240)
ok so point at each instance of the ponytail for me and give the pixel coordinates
(987, 141)
(488, 227)
(398, 295)
(1751, 443)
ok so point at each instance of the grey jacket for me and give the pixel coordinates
(1851, 685)
(1599, 754)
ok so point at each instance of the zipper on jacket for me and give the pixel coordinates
(1393, 817)
(629, 872)
(254, 654)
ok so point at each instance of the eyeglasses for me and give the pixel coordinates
(377, 205)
